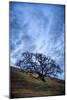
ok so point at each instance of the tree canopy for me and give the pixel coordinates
(39, 63)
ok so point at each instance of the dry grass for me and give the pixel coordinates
(24, 85)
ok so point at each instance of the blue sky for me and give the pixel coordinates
(37, 28)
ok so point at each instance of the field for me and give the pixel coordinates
(23, 85)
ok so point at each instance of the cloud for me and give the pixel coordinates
(37, 28)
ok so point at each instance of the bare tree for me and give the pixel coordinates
(39, 63)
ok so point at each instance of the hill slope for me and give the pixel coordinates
(24, 85)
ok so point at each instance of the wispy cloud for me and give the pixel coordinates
(37, 28)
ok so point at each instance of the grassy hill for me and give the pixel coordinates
(24, 85)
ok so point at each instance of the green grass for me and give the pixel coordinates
(24, 85)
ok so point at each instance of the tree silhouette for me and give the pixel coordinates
(39, 63)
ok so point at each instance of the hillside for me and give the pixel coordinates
(24, 85)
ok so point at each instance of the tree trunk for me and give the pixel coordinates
(45, 75)
(41, 76)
